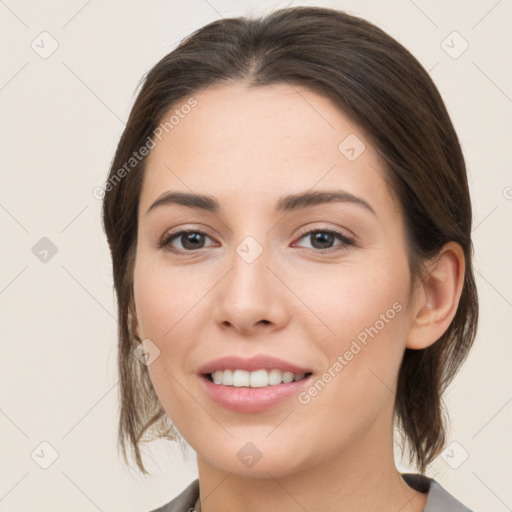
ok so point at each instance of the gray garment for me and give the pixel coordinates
(439, 500)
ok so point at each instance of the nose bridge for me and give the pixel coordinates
(250, 293)
(248, 278)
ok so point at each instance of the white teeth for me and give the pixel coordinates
(258, 379)
(275, 377)
(241, 378)
(227, 377)
(217, 377)
(255, 379)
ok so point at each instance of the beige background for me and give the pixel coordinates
(61, 118)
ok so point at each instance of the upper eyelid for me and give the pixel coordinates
(302, 231)
(344, 232)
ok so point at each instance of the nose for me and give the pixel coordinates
(251, 298)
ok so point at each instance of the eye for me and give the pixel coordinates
(193, 240)
(322, 239)
(190, 240)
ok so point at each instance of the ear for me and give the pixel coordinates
(437, 298)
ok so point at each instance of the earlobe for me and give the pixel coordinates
(437, 298)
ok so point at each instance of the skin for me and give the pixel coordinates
(247, 148)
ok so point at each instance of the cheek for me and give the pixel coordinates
(363, 358)
(164, 302)
(164, 298)
(365, 295)
(365, 311)
(170, 309)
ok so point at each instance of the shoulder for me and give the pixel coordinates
(184, 502)
(439, 499)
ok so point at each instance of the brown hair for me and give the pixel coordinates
(379, 85)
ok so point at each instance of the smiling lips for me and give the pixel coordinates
(251, 385)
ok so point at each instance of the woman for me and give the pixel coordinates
(290, 226)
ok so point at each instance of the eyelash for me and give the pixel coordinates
(346, 242)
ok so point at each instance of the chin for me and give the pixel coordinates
(256, 459)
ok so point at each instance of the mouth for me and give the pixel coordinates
(242, 391)
(253, 384)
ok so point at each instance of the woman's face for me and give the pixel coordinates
(261, 275)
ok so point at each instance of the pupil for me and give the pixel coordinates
(191, 237)
(322, 237)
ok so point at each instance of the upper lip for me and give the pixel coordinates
(250, 364)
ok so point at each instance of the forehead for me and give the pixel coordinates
(242, 143)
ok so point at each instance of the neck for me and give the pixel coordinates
(360, 478)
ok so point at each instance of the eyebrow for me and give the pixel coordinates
(286, 203)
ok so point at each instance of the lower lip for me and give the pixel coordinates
(244, 399)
